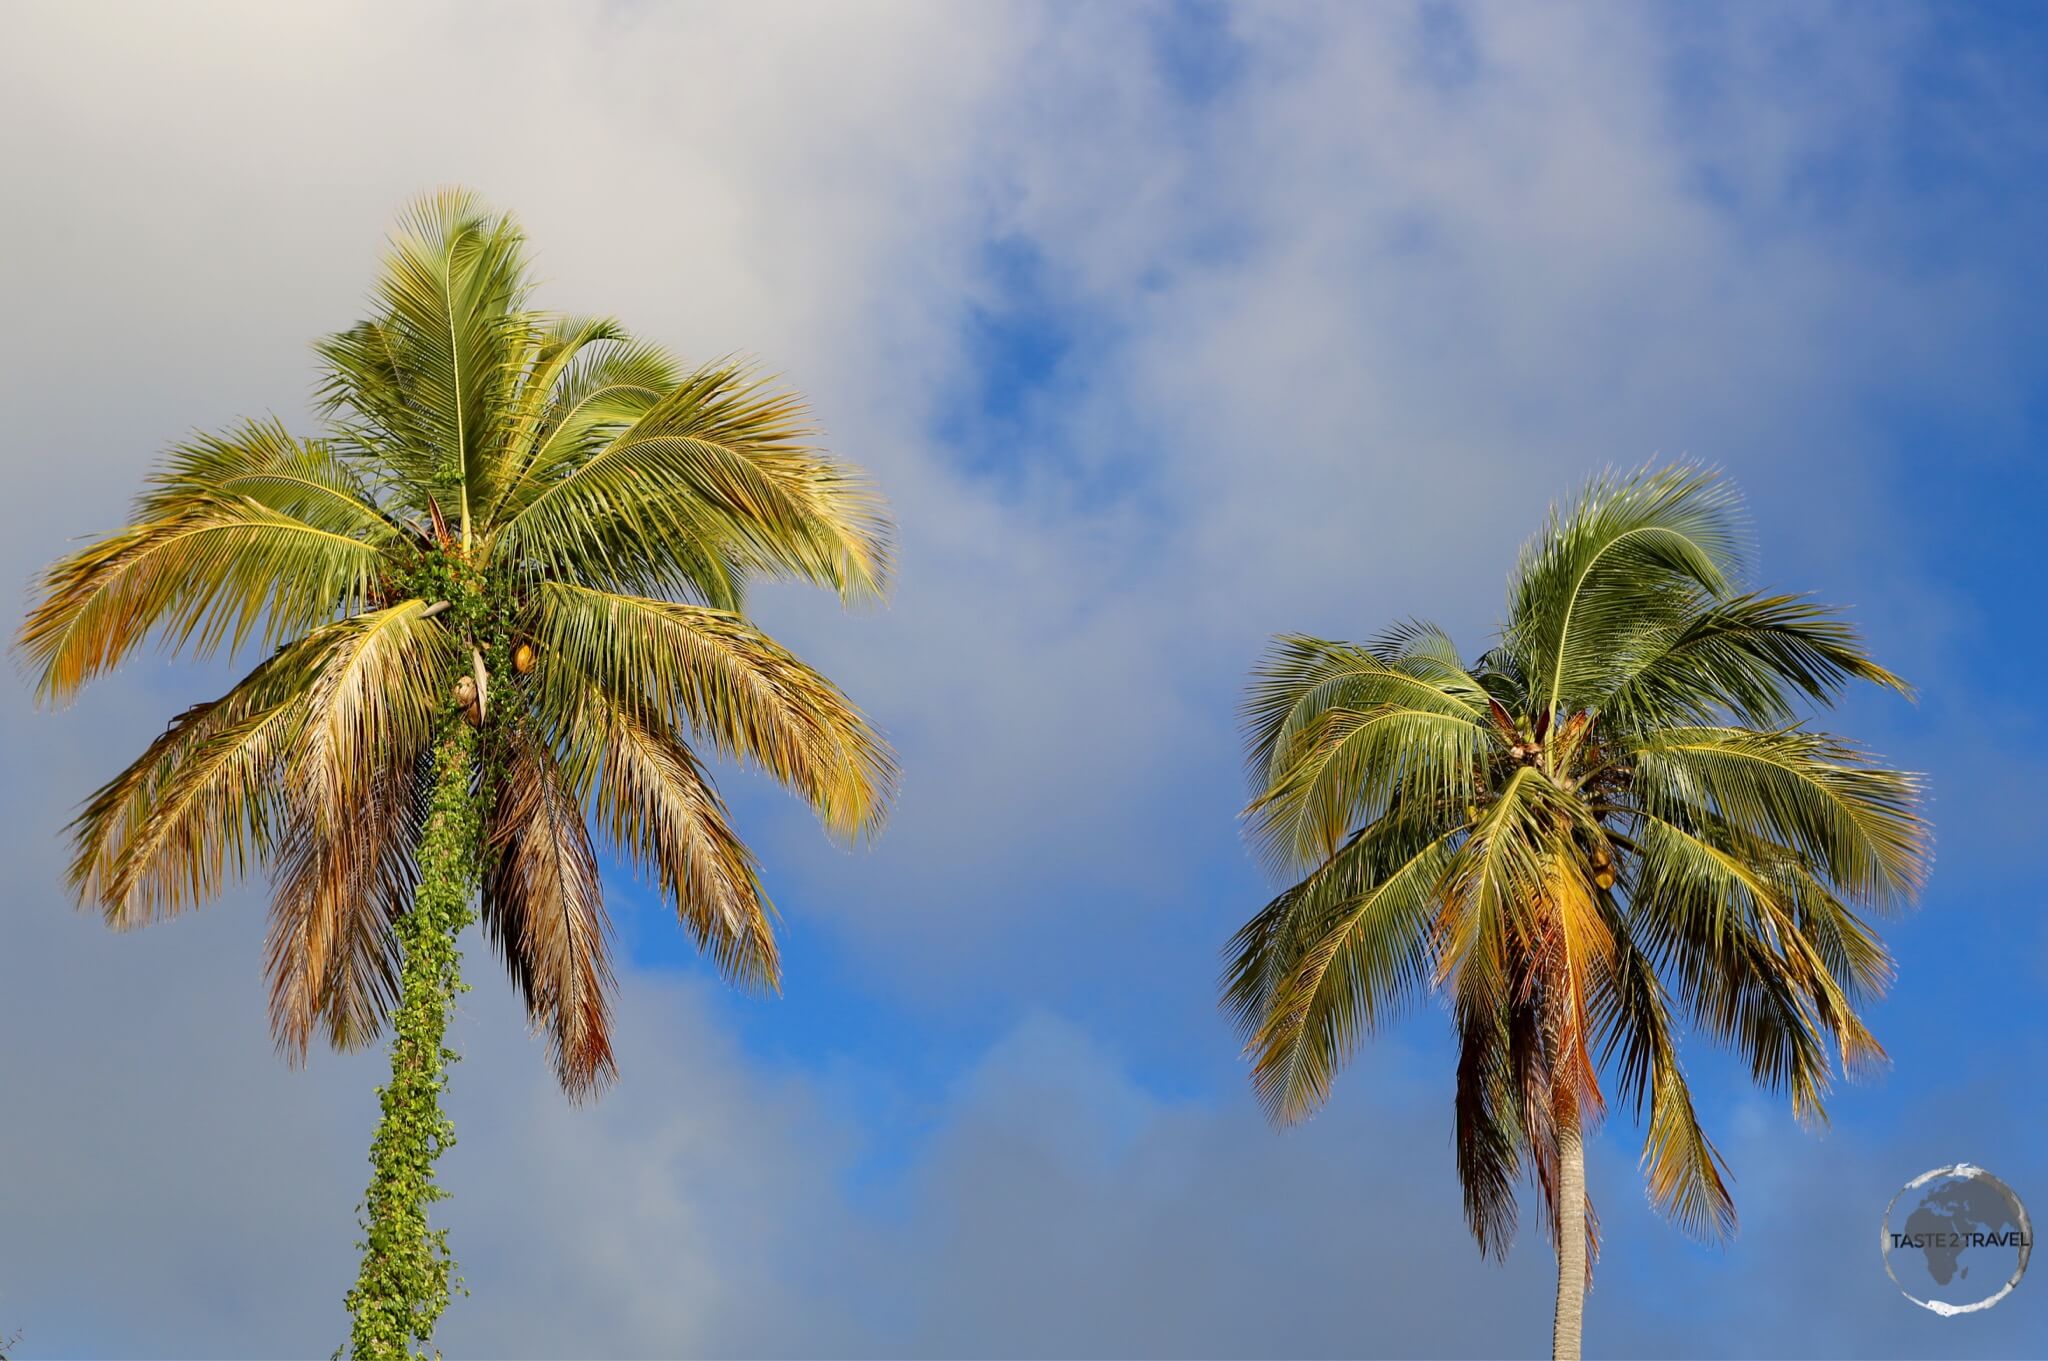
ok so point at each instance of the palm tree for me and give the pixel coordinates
(1609, 825)
(502, 598)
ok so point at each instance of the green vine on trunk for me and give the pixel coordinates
(407, 1273)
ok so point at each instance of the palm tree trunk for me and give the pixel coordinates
(1571, 1237)
(406, 1271)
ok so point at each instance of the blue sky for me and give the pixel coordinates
(1165, 328)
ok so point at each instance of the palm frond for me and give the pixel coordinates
(238, 533)
(725, 680)
(1288, 718)
(1503, 680)
(1748, 656)
(1348, 946)
(718, 459)
(341, 877)
(588, 383)
(1353, 766)
(1733, 951)
(1851, 951)
(312, 725)
(425, 385)
(261, 461)
(1855, 819)
(200, 804)
(1490, 1134)
(654, 803)
(1497, 877)
(1418, 648)
(377, 697)
(1686, 1174)
(1633, 550)
(543, 907)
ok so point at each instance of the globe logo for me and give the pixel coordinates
(1956, 1240)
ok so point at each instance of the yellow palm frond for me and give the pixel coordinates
(657, 806)
(376, 699)
(717, 675)
(206, 576)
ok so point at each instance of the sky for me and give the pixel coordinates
(1164, 328)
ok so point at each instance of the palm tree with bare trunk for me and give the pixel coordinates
(1613, 824)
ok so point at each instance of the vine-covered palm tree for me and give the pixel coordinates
(502, 598)
(1611, 825)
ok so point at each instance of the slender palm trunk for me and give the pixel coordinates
(1571, 1237)
(406, 1271)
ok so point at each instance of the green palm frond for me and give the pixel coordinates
(570, 411)
(1492, 1138)
(427, 389)
(1501, 676)
(1686, 1174)
(263, 462)
(1732, 950)
(1491, 889)
(1850, 950)
(1633, 549)
(715, 461)
(557, 349)
(1348, 946)
(1853, 818)
(1352, 766)
(1314, 702)
(1746, 656)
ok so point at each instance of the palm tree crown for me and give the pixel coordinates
(534, 517)
(1610, 825)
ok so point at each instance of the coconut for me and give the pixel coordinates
(466, 700)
